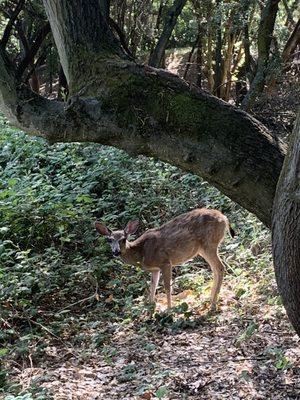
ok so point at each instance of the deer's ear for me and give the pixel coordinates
(131, 227)
(102, 229)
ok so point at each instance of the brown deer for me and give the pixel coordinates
(198, 232)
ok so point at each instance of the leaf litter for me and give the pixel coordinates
(247, 350)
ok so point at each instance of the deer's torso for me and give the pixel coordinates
(178, 240)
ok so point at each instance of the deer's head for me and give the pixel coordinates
(117, 239)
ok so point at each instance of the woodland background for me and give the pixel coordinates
(73, 321)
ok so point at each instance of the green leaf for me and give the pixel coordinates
(3, 352)
(161, 392)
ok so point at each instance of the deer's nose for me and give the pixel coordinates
(116, 253)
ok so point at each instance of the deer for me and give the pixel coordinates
(197, 232)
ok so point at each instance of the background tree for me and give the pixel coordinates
(157, 55)
(265, 33)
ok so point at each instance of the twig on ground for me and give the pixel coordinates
(77, 302)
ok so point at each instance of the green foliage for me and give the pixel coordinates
(248, 333)
(53, 263)
(50, 196)
(280, 361)
(161, 392)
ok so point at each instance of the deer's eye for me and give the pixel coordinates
(109, 240)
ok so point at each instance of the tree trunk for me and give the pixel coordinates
(286, 230)
(218, 56)
(10, 24)
(226, 70)
(209, 59)
(157, 55)
(80, 37)
(248, 15)
(248, 58)
(199, 54)
(32, 51)
(289, 15)
(105, 8)
(35, 82)
(292, 43)
(143, 110)
(189, 60)
(265, 32)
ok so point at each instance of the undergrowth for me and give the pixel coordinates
(53, 265)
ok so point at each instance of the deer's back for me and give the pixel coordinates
(183, 237)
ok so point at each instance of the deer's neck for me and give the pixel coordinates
(132, 254)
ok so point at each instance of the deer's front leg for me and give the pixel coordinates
(154, 282)
(167, 276)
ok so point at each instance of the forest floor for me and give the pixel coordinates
(247, 350)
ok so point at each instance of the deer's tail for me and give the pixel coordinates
(230, 230)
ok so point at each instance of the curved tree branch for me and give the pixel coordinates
(147, 111)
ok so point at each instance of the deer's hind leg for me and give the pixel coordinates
(154, 283)
(218, 269)
(166, 270)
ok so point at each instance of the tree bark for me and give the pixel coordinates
(291, 43)
(199, 54)
(218, 54)
(226, 67)
(265, 32)
(157, 55)
(105, 8)
(248, 58)
(81, 36)
(289, 15)
(286, 230)
(122, 37)
(191, 53)
(148, 111)
(32, 51)
(10, 24)
(209, 58)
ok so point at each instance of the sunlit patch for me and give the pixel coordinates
(188, 296)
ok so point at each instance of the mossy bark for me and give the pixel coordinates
(77, 25)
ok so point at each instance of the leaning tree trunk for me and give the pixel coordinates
(143, 110)
(173, 13)
(265, 32)
(286, 230)
(292, 43)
